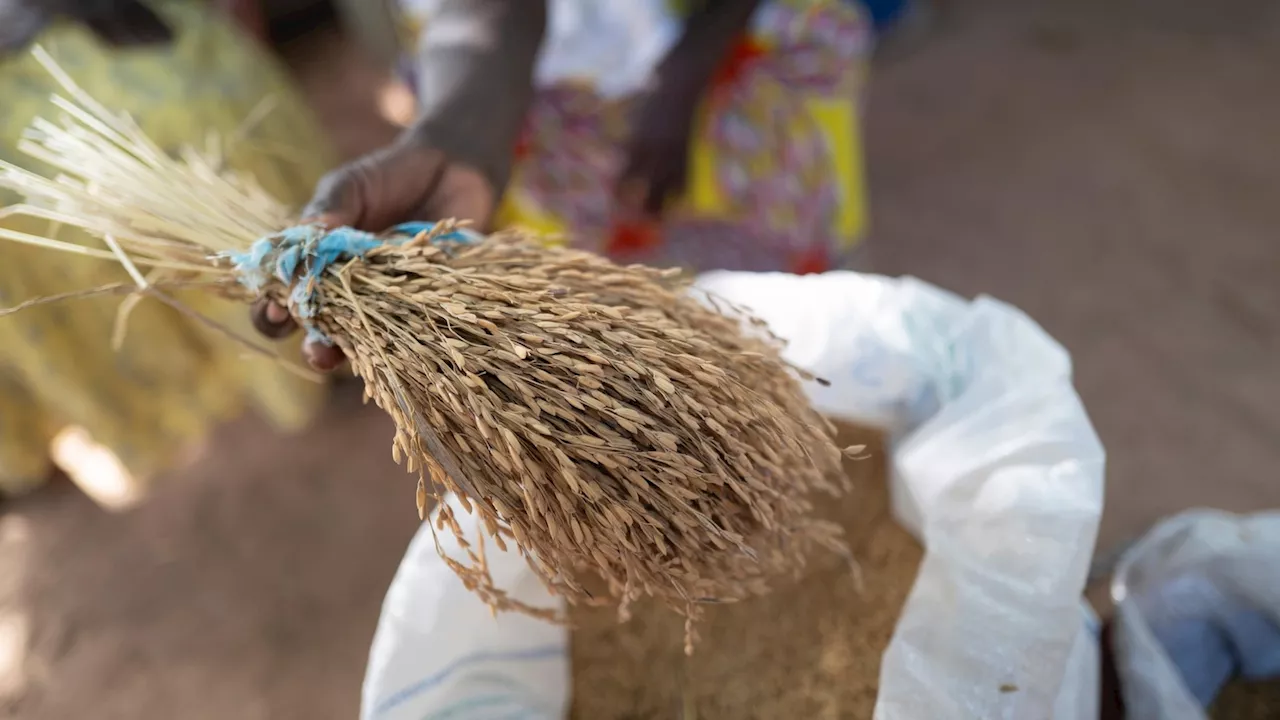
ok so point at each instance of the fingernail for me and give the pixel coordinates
(276, 313)
(324, 358)
(265, 322)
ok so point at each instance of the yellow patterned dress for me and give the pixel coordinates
(173, 379)
(775, 166)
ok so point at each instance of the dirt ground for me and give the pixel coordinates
(1109, 167)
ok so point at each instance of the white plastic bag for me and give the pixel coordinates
(995, 467)
(1197, 599)
(439, 652)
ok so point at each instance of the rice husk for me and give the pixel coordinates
(810, 649)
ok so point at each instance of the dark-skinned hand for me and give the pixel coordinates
(404, 182)
(655, 171)
(656, 167)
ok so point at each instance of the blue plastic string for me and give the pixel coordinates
(300, 255)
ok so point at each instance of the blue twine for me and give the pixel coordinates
(314, 248)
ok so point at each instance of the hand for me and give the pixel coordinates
(656, 167)
(657, 159)
(406, 181)
(120, 23)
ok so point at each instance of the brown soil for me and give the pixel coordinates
(810, 649)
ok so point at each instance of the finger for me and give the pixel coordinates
(336, 200)
(272, 320)
(667, 187)
(656, 201)
(631, 193)
(276, 313)
(322, 357)
(384, 188)
(462, 194)
(399, 185)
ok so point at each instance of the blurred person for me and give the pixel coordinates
(183, 70)
(709, 134)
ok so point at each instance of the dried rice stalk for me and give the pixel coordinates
(597, 416)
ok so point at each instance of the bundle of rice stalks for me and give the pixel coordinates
(600, 417)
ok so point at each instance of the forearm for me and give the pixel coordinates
(708, 35)
(475, 80)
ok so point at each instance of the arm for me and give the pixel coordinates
(658, 153)
(708, 35)
(475, 81)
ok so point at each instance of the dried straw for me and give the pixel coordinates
(599, 417)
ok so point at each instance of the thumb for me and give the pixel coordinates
(386, 187)
(334, 204)
(463, 194)
(322, 356)
(336, 201)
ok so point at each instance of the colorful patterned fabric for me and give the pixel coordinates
(174, 378)
(775, 174)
